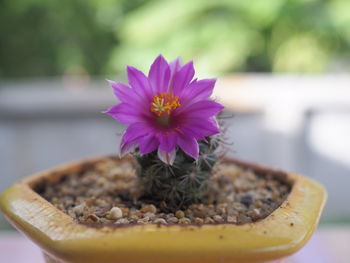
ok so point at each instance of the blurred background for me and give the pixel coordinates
(283, 67)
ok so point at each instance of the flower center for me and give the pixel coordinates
(164, 103)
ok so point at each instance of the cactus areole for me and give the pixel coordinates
(172, 130)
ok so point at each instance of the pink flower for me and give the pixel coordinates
(165, 110)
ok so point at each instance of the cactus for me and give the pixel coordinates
(182, 183)
(169, 101)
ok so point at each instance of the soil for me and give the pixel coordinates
(107, 193)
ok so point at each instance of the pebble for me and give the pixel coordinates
(247, 200)
(218, 219)
(208, 220)
(150, 215)
(179, 214)
(167, 216)
(79, 209)
(115, 213)
(160, 221)
(258, 204)
(255, 213)
(143, 220)
(125, 211)
(134, 217)
(94, 218)
(122, 221)
(149, 208)
(231, 219)
(173, 220)
(243, 218)
(185, 221)
(198, 221)
(188, 213)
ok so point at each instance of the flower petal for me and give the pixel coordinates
(167, 141)
(189, 145)
(139, 83)
(200, 109)
(134, 135)
(137, 130)
(159, 75)
(124, 93)
(148, 144)
(198, 90)
(127, 147)
(174, 66)
(182, 78)
(167, 157)
(126, 113)
(200, 128)
(191, 132)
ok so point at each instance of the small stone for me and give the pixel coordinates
(198, 221)
(150, 215)
(149, 208)
(101, 181)
(222, 205)
(231, 211)
(184, 221)
(258, 204)
(200, 211)
(79, 209)
(221, 210)
(162, 215)
(238, 206)
(72, 214)
(247, 200)
(211, 213)
(244, 219)
(179, 214)
(261, 183)
(254, 214)
(160, 221)
(173, 220)
(93, 218)
(125, 211)
(208, 220)
(134, 217)
(122, 221)
(231, 219)
(89, 202)
(218, 219)
(115, 213)
(135, 212)
(167, 216)
(101, 202)
(188, 213)
(230, 197)
(143, 220)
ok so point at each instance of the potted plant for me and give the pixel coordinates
(174, 198)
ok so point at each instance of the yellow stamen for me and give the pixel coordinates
(164, 103)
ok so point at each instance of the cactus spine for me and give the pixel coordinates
(180, 184)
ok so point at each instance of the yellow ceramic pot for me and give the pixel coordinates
(62, 239)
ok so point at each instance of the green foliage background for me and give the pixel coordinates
(53, 37)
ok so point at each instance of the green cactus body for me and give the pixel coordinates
(181, 184)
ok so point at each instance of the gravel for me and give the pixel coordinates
(107, 194)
